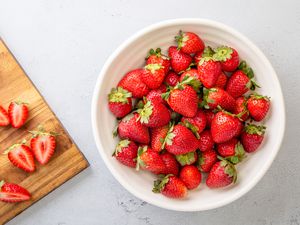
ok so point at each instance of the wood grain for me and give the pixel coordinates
(67, 160)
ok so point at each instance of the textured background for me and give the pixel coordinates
(62, 45)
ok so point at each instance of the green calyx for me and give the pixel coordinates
(258, 96)
(246, 69)
(20, 102)
(139, 161)
(186, 159)
(119, 95)
(2, 182)
(160, 184)
(223, 53)
(14, 146)
(153, 67)
(208, 52)
(255, 129)
(145, 112)
(195, 83)
(229, 169)
(205, 99)
(41, 132)
(181, 39)
(122, 144)
(169, 137)
(239, 154)
(191, 127)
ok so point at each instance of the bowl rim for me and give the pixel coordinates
(134, 37)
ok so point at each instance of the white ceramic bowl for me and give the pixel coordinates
(131, 55)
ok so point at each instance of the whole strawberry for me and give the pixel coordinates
(191, 73)
(131, 128)
(215, 97)
(228, 57)
(221, 81)
(252, 137)
(225, 126)
(196, 124)
(156, 95)
(170, 186)
(206, 141)
(187, 158)
(222, 174)
(191, 176)
(126, 153)
(180, 140)
(158, 135)
(232, 150)
(149, 160)
(189, 42)
(17, 113)
(206, 160)
(154, 114)
(133, 83)
(179, 60)
(171, 79)
(119, 102)
(241, 108)
(171, 165)
(153, 75)
(4, 118)
(209, 71)
(156, 57)
(258, 106)
(12, 193)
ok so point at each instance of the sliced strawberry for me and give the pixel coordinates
(13, 193)
(18, 113)
(4, 119)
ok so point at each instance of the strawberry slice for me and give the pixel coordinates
(18, 113)
(13, 193)
(21, 156)
(4, 119)
(43, 145)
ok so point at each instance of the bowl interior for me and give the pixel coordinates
(130, 56)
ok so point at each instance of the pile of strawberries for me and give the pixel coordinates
(42, 147)
(189, 112)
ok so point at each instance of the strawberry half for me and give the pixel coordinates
(4, 118)
(119, 102)
(12, 193)
(170, 186)
(21, 156)
(18, 113)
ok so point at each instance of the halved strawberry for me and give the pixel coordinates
(12, 193)
(4, 119)
(21, 156)
(43, 145)
(18, 113)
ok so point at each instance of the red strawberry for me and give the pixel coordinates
(156, 95)
(20, 155)
(228, 57)
(197, 57)
(156, 57)
(158, 136)
(241, 108)
(258, 106)
(206, 141)
(221, 174)
(183, 98)
(12, 193)
(149, 160)
(215, 97)
(126, 153)
(153, 75)
(119, 102)
(191, 176)
(209, 71)
(191, 73)
(154, 114)
(133, 83)
(180, 140)
(232, 150)
(197, 123)
(170, 186)
(209, 117)
(18, 113)
(252, 137)
(222, 81)
(171, 79)
(4, 119)
(43, 145)
(179, 60)
(171, 165)
(206, 160)
(224, 127)
(189, 42)
(187, 159)
(130, 127)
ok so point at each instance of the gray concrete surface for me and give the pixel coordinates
(63, 44)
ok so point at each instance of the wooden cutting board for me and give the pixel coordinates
(67, 160)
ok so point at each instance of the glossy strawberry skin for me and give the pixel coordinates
(158, 134)
(120, 109)
(4, 118)
(171, 79)
(206, 160)
(209, 117)
(191, 176)
(241, 108)
(132, 129)
(237, 84)
(171, 165)
(221, 81)
(133, 83)
(225, 127)
(206, 141)
(18, 114)
(198, 121)
(190, 73)
(22, 157)
(217, 96)
(159, 59)
(174, 188)
(183, 141)
(156, 95)
(150, 160)
(127, 155)
(227, 148)
(231, 64)
(209, 72)
(178, 101)
(12, 193)
(179, 60)
(153, 79)
(251, 142)
(217, 176)
(258, 107)
(190, 43)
